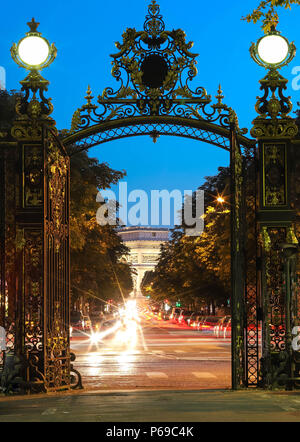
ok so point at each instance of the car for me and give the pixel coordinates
(166, 315)
(96, 319)
(227, 329)
(110, 323)
(175, 313)
(155, 310)
(197, 319)
(76, 320)
(208, 323)
(221, 325)
(193, 318)
(86, 323)
(184, 316)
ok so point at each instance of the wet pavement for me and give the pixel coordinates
(154, 406)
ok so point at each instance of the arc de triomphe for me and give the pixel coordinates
(144, 245)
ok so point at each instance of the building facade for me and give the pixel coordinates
(144, 245)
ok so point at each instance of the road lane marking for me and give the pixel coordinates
(156, 374)
(204, 375)
(199, 358)
(49, 411)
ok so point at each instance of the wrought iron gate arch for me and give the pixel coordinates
(244, 301)
(154, 126)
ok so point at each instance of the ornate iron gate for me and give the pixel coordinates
(154, 69)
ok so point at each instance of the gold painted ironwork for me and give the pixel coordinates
(274, 174)
(273, 109)
(154, 68)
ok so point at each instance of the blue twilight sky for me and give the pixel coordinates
(84, 34)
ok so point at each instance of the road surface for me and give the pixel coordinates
(165, 356)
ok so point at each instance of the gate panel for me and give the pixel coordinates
(2, 256)
(279, 251)
(237, 263)
(56, 255)
(252, 299)
(8, 191)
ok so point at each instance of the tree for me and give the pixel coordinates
(8, 108)
(267, 12)
(196, 270)
(97, 270)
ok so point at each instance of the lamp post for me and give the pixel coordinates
(220, 199)
(274, 130)
(38, 174)
(34, 53)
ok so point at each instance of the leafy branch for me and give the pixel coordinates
(267, 12)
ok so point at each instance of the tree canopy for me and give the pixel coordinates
(266, 12)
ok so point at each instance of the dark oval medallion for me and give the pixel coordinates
(155, 69)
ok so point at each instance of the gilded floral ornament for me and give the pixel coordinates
(273, 109)
(57, 171)
(266, 240)
(154, 68)
(291, 237)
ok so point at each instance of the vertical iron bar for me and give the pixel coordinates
(237, 276)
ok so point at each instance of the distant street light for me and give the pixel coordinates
(220, 199)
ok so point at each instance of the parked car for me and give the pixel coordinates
(193, 318)
(96, 319)
(76, 319)
(197, 319)
(109, 323)
(184, 316)
(208, 323)
(86, 323)
(166, 315)
(227, 329)
(155, 310)
(175, 313)
(222, 325)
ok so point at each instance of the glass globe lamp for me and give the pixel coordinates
(272, 50)
(33, 52)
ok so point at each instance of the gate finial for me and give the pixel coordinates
(154, 23)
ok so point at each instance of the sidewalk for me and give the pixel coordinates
(153, 406)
